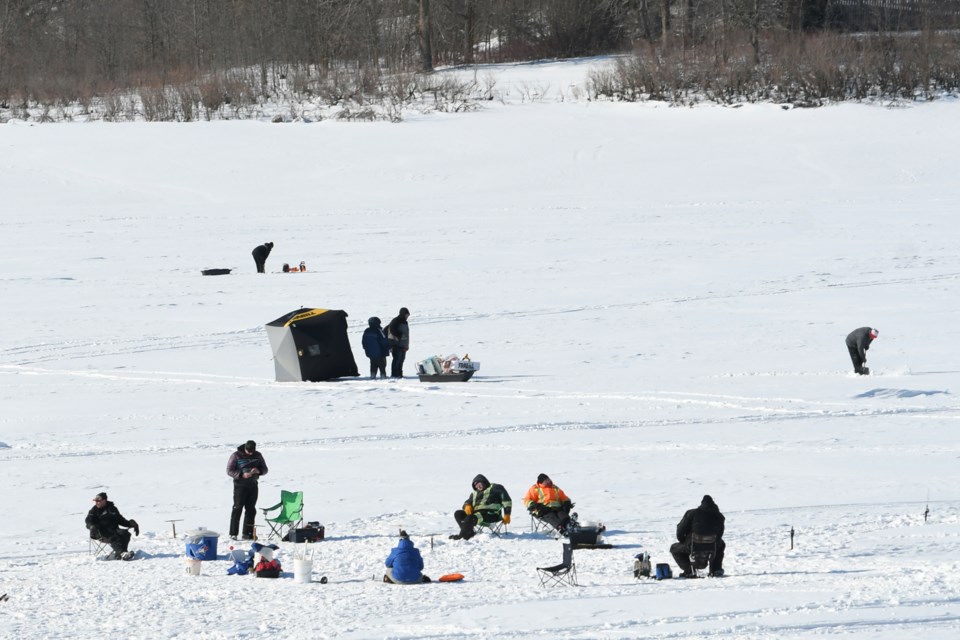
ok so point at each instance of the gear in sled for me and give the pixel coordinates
(450, 369)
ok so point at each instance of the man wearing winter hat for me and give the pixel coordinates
(704, 520)
(245, 466)
(104, 522)
(858, 341)
(260, 256)
(398, 337)
(549, 503)
(482, 507)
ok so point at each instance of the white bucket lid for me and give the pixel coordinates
(203, 533)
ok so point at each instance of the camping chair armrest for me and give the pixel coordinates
(266, 509)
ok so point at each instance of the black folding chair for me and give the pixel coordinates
(563, 573)
(702, 550)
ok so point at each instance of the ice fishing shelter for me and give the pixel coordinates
(311, 345)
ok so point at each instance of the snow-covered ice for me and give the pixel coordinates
(659, 298)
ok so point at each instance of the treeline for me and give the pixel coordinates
(216, 52)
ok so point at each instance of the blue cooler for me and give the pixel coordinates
(202, 544)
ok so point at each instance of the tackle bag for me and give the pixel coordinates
(306, 534)
(267, 569)
(587, 536)
(641, 566)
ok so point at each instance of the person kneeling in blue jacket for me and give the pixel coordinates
(404, 564)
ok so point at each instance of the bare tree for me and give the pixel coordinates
(426, 54)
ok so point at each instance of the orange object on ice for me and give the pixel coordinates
(452, 577)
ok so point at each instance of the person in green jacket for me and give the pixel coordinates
(483, 507)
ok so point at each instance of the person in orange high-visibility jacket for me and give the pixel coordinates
(549, 503)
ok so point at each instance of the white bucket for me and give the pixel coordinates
(192, 566)
(302, 570)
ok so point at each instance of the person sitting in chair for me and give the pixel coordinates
(549, 503)
(404, 564)
(704, 520)
(104, 522)
(482, 507)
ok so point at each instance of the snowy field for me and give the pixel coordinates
(658, 297)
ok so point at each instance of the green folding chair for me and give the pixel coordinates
(290, 516)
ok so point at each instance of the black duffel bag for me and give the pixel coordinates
(306, 534)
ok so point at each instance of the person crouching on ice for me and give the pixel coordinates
(404, 564)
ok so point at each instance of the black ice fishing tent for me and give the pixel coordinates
(311, 345)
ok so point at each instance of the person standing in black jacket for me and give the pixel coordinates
(858, 341)
(245, 466)
(104, 522)
(398, 337)
(260, 256)
(704, 520)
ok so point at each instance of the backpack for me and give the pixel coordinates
(267, 569)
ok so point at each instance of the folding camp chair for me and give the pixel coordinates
(537, 525)
(495, 529)
(702, 550)
(563, 573)
(96, 547)
(290, 516)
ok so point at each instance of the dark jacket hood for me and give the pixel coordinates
(374, 323)
(708, 503)
(480, 478)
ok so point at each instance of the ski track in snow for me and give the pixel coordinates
(73, 349)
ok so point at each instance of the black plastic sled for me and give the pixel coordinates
(462, 376)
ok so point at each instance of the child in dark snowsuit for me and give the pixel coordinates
(376, 348)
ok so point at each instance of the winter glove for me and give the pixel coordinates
(136, 527)
(566, 506)
(506, 518)
(468, 509)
